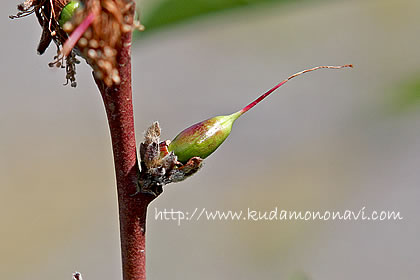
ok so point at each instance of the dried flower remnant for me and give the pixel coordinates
(160, 167)
(48, 14)
(98, 41)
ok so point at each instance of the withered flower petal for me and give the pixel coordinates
(160, 167)
(100, 42)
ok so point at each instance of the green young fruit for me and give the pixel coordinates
(203, 138)
(68, 12)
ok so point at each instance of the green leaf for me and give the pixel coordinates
(169, 12)
(406, 97)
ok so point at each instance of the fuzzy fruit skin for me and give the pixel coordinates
(203, 138)
(68, 12)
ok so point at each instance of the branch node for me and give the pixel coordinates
(160, 167)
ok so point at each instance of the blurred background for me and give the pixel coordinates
(329, 140)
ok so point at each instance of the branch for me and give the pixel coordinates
(101, 34)
(132, 210)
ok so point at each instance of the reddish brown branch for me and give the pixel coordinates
(132, 210)
(106, 26)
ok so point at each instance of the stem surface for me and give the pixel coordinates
(132, 209)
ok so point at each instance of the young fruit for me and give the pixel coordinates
(68, 12)
(203, 138)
